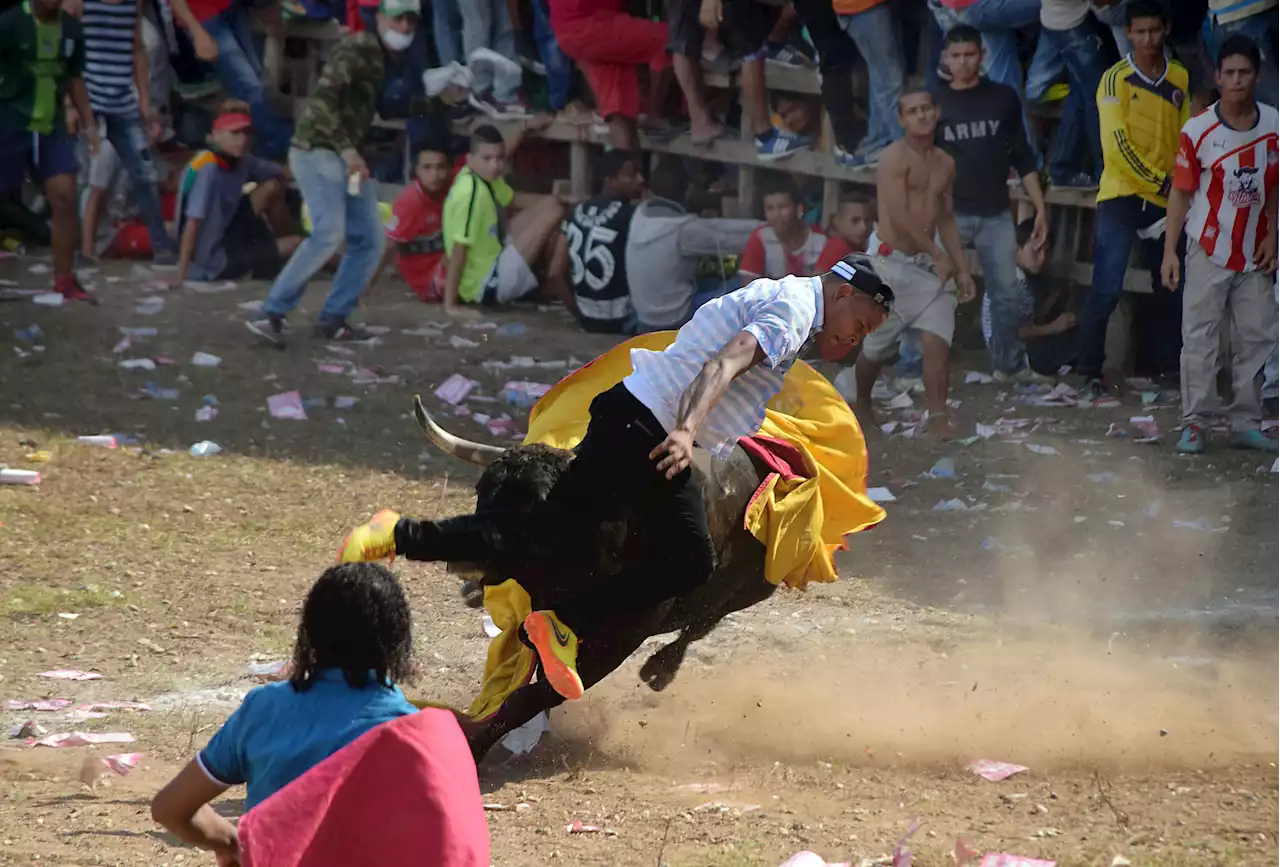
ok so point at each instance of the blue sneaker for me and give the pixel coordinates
(1253, 439)
(1193, 440)
(779, 144)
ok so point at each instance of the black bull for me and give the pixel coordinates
(516, 478)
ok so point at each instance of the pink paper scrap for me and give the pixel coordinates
(122, 763)
(113, 705)
(82, 739)
(1005, 859)
(576, 827)
(455, 389)
(70, 674)
(46, 704)
(994, 772)
(286, 405)
(325, 367)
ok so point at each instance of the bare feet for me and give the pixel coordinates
(941, 427)
(866, 414)
(704, 136)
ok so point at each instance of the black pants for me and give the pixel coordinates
(835, 61)
(611, 475)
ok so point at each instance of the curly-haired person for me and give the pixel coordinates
(354, 643)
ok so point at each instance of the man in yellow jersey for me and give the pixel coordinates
(1142, 105)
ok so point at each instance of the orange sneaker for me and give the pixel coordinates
(375, 540)
(557, 647)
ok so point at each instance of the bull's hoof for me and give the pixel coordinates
(472, 594)
(660, 669)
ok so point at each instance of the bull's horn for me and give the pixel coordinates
(476, 453)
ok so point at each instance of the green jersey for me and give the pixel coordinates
(37, 63)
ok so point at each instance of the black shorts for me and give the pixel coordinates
(251, 248)
(743, 29)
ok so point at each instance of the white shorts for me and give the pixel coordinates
(920, 301)
(511, 278)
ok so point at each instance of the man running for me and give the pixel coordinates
(710, 386)
(913, 189)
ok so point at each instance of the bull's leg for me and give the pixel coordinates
(608, 647)
(661, 668)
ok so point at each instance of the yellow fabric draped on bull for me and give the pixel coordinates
(800, 513)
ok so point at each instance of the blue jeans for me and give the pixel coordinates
(559, 67)
(1115, 232)
(997, 19)
(1261, 28)
(1080, 53)
(995, 240)
(446, 26)
(130, 141)
(336, 217)
(240, 71)
(910, 355)
(487, 24)
(876, 35)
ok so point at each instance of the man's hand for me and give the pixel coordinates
(206, 47)
(1040, 230)
(1265, 255)
(676, 452)
(711, 14)
(357, 166)
(458, 311)
(966, 291)
(1064, 323)
(74, 8)
(942, 264)
(91, 134)
(1170, 271)
(154, 127)
(539, 122)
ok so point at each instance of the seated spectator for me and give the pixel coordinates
(223, 233)
(354, 643)
(1047, 315)
(416, 228)
(852, 225)
(742, 28)
(592, 247)
(106, 190)
(489, 257)
(608, 45)
(785, 245)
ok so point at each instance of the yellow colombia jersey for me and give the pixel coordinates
(1140, 120)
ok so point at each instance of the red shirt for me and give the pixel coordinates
(416, 225)
(837, 248)
(569, 10)
(766, 256)
(206, 9)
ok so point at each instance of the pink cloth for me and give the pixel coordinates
(405, 792)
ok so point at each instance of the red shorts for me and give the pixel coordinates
(608, 46)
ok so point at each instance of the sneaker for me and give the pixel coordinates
(165, 260)
(516, 109)
(783, 54)
(557, 649)
(373, 540)
(847, 159)
(1192, 441)
(1077, 181)
(269, 328)
(1094, 390)
(72, 291)
(779, 144)
(1255, 440)
(343, 332)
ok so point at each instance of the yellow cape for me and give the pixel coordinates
(801, 521)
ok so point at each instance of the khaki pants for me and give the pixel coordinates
(1213, 296)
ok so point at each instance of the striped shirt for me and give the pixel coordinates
(108, 70)
(781, 314)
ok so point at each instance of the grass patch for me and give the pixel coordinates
(31, 599)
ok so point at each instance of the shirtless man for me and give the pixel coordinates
(913, 188)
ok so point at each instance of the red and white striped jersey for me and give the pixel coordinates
(1231, 173)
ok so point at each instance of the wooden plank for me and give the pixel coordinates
(580, 155)
(748, 186)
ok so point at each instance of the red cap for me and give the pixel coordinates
(232, 122)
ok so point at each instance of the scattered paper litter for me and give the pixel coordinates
(1005, 859)
(273, 670)
(83, 739)
(524, 739)
(150, 305)
(880, 495)
(114, 705)
(985, 431)
(205, 359)
(577, 827)
(901, 401)
(70, 674)
(39, 268)
(286, 405)
(251, 306)
(1042, 450)
(204, 287)
(455, 389)
(95, 767)
(67, 615)
(1103, 478)
(954, 505)
(330, 367)
(49, 299)
(43, 704)
(206, 413)
(459, 342)
(490, 628)
(344, 402)
(977, 376)
(810, 859)
(994, 772)
(138, 364)
(1145, 425)
(945, 468)
(1201, 524)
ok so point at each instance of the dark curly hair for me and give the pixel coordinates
(357, 619)
(521, 478)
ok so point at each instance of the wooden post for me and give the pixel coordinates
(830, 186)
(747, 177)
(580, 170)
(273, 58)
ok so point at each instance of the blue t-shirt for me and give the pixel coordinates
(278, 734)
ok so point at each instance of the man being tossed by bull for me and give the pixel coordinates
(710, 386)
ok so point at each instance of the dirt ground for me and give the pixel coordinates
(1105, 615)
